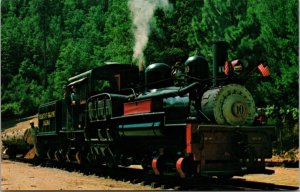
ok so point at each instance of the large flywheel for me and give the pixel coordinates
(232, 104)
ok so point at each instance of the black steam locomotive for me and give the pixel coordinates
(179, 120)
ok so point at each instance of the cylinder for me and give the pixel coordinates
(220, 49)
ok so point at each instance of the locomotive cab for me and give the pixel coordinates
(104, 91)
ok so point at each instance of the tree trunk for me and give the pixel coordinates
(19, 141)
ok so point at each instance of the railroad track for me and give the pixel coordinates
(170, 182)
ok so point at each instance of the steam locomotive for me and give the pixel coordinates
(178, 120)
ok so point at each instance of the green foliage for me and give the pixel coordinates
(278, 41)
(11, 109)
(28, 94)
(44, 42)
(169, 38)
(286, 120)
(118, 38)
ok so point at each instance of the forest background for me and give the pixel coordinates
(44, 42)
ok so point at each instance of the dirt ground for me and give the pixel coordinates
(22, 176)
(282, 176)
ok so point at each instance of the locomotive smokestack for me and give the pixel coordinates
(219, 58)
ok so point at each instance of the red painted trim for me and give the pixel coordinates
(188, 138)
(178, 167)
(226, 68)
(137, 107)
(154, 166)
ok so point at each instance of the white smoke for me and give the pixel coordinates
(142, 12)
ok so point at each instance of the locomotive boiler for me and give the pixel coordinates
(178, 120)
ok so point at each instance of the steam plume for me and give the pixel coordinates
(142, 11)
